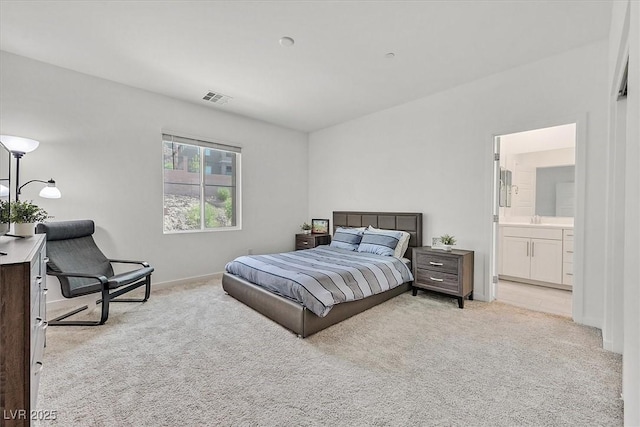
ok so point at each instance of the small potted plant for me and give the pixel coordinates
(25, 215)
(306, 228)
(447, 242)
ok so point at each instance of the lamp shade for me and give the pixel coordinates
(18, 144)
(50, 191)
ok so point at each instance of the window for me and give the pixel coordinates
(201, 185)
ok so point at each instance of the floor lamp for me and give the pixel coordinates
(19, 146)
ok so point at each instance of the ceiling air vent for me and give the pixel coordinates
(216, 98)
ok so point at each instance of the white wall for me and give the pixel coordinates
(622, 298)
(101, 142)
(433, 155)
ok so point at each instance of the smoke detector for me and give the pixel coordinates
(216, 98)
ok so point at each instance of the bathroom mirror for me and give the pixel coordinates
(505, 188)
(555, 191)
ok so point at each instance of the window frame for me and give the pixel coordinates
(204, 144)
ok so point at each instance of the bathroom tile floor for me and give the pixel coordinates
(538, 298)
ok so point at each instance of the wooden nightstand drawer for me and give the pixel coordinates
(305, 240)
(437, 279)
(437, 262)
(447, 272)
(308, 241)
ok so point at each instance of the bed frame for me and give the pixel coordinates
(293, 315)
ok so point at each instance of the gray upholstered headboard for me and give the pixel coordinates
(410, 222)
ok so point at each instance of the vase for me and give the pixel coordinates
(24, 229)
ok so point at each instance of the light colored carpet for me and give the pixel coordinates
(192, 355)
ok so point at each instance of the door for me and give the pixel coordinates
(546, 260)
(515, 256)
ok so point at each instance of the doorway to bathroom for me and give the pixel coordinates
(535, 189)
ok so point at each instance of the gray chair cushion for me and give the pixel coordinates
(66, 229)
(71, 249)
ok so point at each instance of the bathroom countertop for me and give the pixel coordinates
(527, 224)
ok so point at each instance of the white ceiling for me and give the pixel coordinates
(337, 69)
(551, 138)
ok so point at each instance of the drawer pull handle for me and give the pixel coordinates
(569, 274)
(569, 235)
(39, 367)
(45, 325)
(569, 252)
(435, 263)
(436, 280)
(45, 259)
(45, 290)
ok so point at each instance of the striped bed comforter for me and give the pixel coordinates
(321, 277)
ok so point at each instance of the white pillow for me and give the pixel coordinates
(403, 244)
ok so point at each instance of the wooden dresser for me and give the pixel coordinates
(447, 272)
(22, 326)
(308, 241)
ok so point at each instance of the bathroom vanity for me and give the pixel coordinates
(540, 254)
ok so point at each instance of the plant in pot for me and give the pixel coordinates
(447, 241)
(25, 215)
(306, 228)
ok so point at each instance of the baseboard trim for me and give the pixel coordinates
(179, 282)
(591, 321)
(611, 346)
(536, 282)
(479, 297)
(90, 300)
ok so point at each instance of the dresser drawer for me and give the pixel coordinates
(37, 365)
(567, 278)
(437, 279)
(437, 262)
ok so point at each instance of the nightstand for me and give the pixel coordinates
(308, 241)
(446, 272)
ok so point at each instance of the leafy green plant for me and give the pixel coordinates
(305, 226)
(5, 209)
(223, 194)
(447, 240)
(194, 164)
(210, 216)
(228, 209)
(26, 212)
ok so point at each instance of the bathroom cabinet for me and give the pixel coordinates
(534, 254)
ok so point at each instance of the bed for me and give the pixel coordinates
(301, 320)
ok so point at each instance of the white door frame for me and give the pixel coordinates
(578, 222)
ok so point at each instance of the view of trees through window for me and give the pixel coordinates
(200, 190)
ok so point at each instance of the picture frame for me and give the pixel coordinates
(319, 226)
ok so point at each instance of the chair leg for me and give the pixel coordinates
(147, 291)
(58, 320)
(103, 315)
(107, 298)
